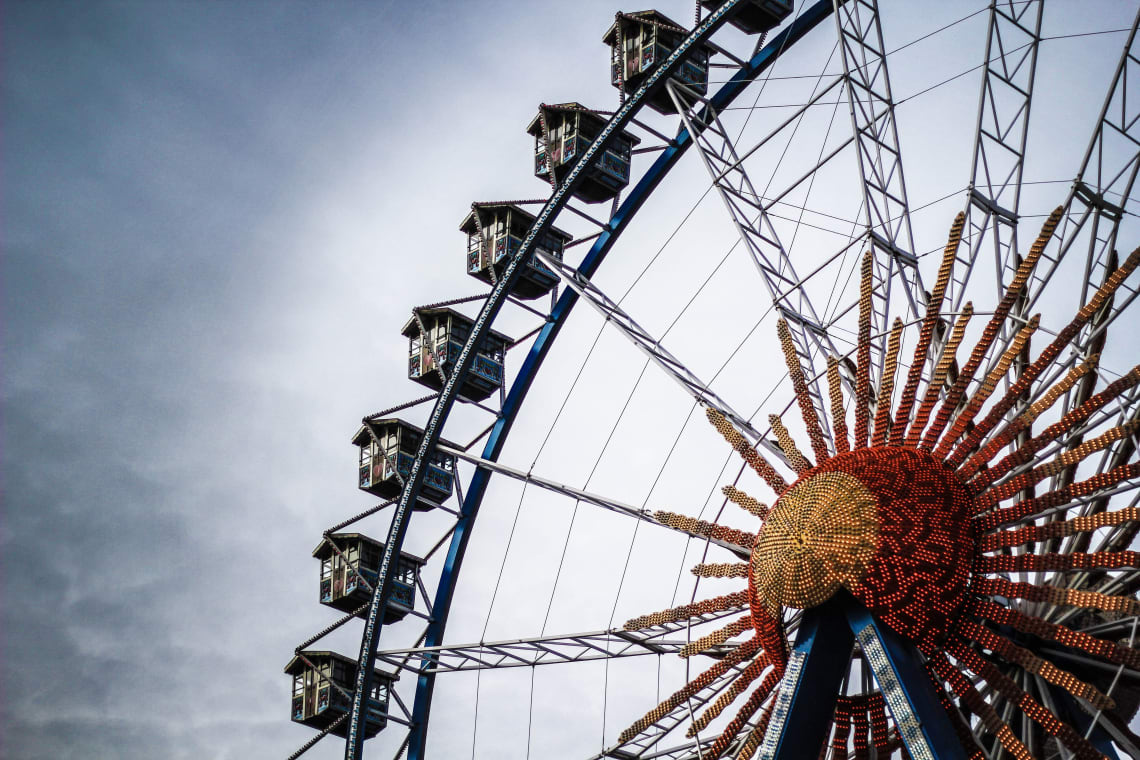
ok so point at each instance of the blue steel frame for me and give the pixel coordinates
(373, 623)
(816, 667)
(923, 724)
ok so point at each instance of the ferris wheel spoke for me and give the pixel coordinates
(1115, 455)
(640, 746)
(652, 348)
(1094, 339)
(611, 505)
(321, 735)
(992, 207)
(1101, 728)
(1104, 183)
(749, 214)
(879, 158)
(550, 650)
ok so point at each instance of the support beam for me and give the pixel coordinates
(806, 703)
(811, 684)
(1103, 187)
(652, 348)
(879, 158)
(993, 205)
(754, 226)
(610, 505)
(549, 650)
(922, 721)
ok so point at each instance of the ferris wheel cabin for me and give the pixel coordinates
(642, 40)
(346, 558)
(317, 702)
(495, 232)
(444, 334)
(562, 132)
(388, 447)
(754, 16)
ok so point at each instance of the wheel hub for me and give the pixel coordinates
(891, 525)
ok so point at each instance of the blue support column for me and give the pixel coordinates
(923, 724)
(806, 702)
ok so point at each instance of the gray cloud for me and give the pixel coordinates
(148, 150)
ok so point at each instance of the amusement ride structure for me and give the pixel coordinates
(930, 548)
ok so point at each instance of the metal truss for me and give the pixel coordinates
(1012, 41)
(695, 749)
(549, 650)
(1095, 206)
(691, 750)
(885, 208)
(750, 218)
(1103, 185)
(992, 208)
(652, 348)
(641, 747)
(688, 751)
(611, 505)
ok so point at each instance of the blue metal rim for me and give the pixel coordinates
(782, 42)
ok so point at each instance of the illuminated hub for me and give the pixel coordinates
(889, 524)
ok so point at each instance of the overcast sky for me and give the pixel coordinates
(215, 219)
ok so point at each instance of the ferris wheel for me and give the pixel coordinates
(924, 542)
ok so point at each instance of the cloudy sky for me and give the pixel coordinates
(216, 217)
